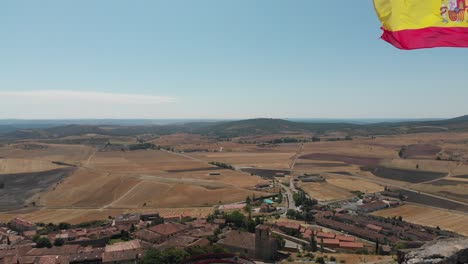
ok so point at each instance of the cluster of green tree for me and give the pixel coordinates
(243, 222)
(174, 255)
(340, 139)
(286, 140)
(359, 194)
(52, 228)
(222, 165)
(2, 185)
(402, 152)
(141, 146)
(44, 242)
(301, 199)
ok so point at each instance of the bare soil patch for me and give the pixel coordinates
(421, 150)
(363, 161)
(411, 176)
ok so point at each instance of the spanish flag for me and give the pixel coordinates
(418, 24)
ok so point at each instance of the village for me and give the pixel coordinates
(286, 226)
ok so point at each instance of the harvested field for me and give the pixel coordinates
(447, 220)
(269, 174)
(20, 187)
(324, 191)
(424, 199)
(196, 169)
(248, 159)
(76, 216)
(417, 150)
(356, 160)
(410, 176)
(10, 166)
(353, 184)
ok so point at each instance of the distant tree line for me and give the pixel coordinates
(222, 165)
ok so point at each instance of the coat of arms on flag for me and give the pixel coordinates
(416, 24)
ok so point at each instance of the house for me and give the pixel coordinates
(346, 238)
(325, 235)
(21, 225)
(330, 243)
(131, 256)
(182, 242)
(351, 245)
(372, 206)
(89, 257)
(266, 208)
(172, 218)
(149, 216)
(374, 227)
(127, 219)
(168, 230)
(148, 236)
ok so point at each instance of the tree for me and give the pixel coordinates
(2, 185)
(377, 247)
(59, 242)
(321, 244)
(248, 200)
(132, 228)
(313, 242)
(320, 260)
(43, 242)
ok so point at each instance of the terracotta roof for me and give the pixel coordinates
(147, 235)
(238, 239)
(351, 245)
(126, 255)
(22, 222)
(325, 235)
(373, 206)
(374, 227)
(63, 250)
(288, 225)
(177, 242)
(168, 229)
(86, 256)
(346, 238)
(129, 245)
(327, 241)
(203, 242)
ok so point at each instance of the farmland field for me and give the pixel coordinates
(448, 220)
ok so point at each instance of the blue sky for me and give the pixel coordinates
(217, 59)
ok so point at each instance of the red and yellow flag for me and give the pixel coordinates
(417, 24)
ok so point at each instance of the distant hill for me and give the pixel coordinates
(228, 129)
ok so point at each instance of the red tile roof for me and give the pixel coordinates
(168, 229)
(374, 227)
(325, 235)
(346, 238)
(351, 245)
(334, 242)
